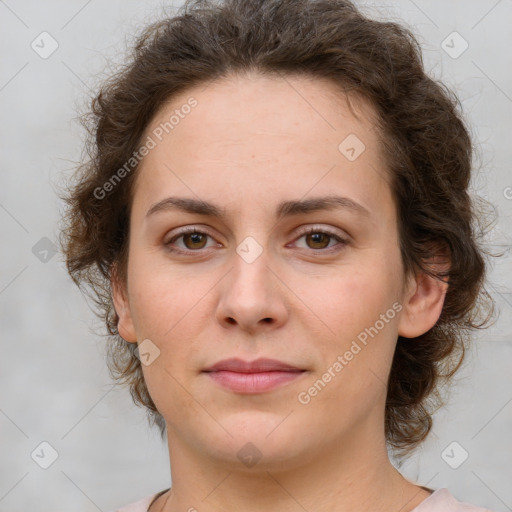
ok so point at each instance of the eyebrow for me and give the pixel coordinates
(284, 209)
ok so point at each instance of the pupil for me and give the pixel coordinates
(317, 237)
(195, 238)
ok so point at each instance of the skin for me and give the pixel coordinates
(251, 142)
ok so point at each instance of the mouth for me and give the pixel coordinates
(253, 377)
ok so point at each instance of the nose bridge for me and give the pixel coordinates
(250, 297)
(250, 250)
(251, 265)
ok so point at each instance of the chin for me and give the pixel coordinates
(258, 442)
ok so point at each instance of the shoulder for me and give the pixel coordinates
(442, 500)
(141, 505)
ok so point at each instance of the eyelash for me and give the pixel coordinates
(305, 231)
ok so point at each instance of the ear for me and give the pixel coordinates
(120, 297)
(423, 302)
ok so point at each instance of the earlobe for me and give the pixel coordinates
(423, 306)
(125, 325)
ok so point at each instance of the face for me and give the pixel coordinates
(296, 260)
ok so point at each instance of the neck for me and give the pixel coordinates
(356, 474)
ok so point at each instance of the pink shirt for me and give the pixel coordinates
(440, 500)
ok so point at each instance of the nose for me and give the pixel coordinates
(252, 296)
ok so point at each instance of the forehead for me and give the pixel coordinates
(290, 102)
(265, 135)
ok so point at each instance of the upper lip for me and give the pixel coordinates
(256, 366)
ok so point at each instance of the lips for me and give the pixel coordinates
(251, 377)
(257, 366)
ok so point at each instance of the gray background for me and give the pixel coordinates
(53, 379)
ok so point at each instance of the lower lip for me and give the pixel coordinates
(253, 382)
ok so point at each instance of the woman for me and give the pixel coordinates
(277, 228)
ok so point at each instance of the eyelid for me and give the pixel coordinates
(189, 229)
(342, 239)
(321, 229)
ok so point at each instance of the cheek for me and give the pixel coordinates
(151, 305)
(361, 309)
(355, 299)
(173, 399)
(172, 309)
(355, 361)
(160, 295)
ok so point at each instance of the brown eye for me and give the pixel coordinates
(193, 240)
(318, 240)
(196, 240)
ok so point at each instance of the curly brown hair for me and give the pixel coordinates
(427, 147)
